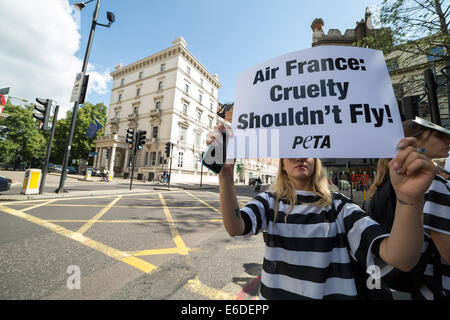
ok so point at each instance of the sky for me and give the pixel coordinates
(43, 42)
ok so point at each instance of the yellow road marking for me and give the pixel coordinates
(153, 252)
(196, 286)
(94, 219)
(111, 252)
(38, 205)
(206, 204)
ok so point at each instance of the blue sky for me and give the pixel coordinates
(45, 41)
(226, 36)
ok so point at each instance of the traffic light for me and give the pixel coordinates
(140, 139)
(130, 136)
(168, 149)
(43, 113)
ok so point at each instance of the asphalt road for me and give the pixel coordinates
(154, 245)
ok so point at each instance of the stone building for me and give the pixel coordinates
(174, 98)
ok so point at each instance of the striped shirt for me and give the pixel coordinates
(436, 217)
(307, 256)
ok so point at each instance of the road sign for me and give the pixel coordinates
(77, 87)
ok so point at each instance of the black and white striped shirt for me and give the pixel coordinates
(306, 257)
(436, 217)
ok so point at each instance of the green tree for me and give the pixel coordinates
(81, 144)
(412, 26)
(20, 136)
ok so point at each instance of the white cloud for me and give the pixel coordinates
(38, 41)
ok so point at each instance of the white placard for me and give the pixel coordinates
(324, 102)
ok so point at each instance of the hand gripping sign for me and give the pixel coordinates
(325, 102)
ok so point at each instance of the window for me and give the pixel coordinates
(158, 105)
(153, 158)
(211, 106)
(119, 98)
(146, 159)
(136, 110)
(155, 132)
(180, 159)
(182, 136)
(210, 121)
(200, 97)
(122, 82)
(188, 70)
(117, 114)
(141, 74)
(199, 116)
(392, 64)
(185, 108)
(159, 159)
(160, 85)
(212, 91)
(197, 160)
(186, 88)
(163, 67)
(138, 92)
(436, 54)
(201, 81)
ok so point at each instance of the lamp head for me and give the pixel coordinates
(111, 17)
(79, 5)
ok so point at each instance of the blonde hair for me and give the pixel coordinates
(381, 176)
(283, 187)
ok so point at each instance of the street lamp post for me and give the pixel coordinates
(111, 19)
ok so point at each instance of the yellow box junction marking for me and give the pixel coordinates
(183, 250)
(95, 218)
(206, 204)
(111, 252)
(194, 285)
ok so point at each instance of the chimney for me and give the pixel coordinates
(317, 25)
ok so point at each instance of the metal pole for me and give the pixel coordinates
(432, 96)
(75, 106)
(134, 158)
(49, 150)
(447, 73)
(170, 170)
(201, 171)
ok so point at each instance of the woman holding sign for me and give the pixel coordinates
(312, 235)
(430, 278)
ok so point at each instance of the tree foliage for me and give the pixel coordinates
(81, 144)
(412, 26)
(20, 136)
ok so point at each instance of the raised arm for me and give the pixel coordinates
(411, 175)
(229, 207)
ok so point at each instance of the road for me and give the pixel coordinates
(155, 244)
(152, 245)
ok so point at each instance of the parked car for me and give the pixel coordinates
(5, 183)
(58, 168)
(71, 170)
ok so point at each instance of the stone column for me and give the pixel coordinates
(125, 161)
(95, 158)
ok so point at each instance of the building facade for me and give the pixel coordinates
(174, 98)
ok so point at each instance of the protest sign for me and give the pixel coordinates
(324, 102)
